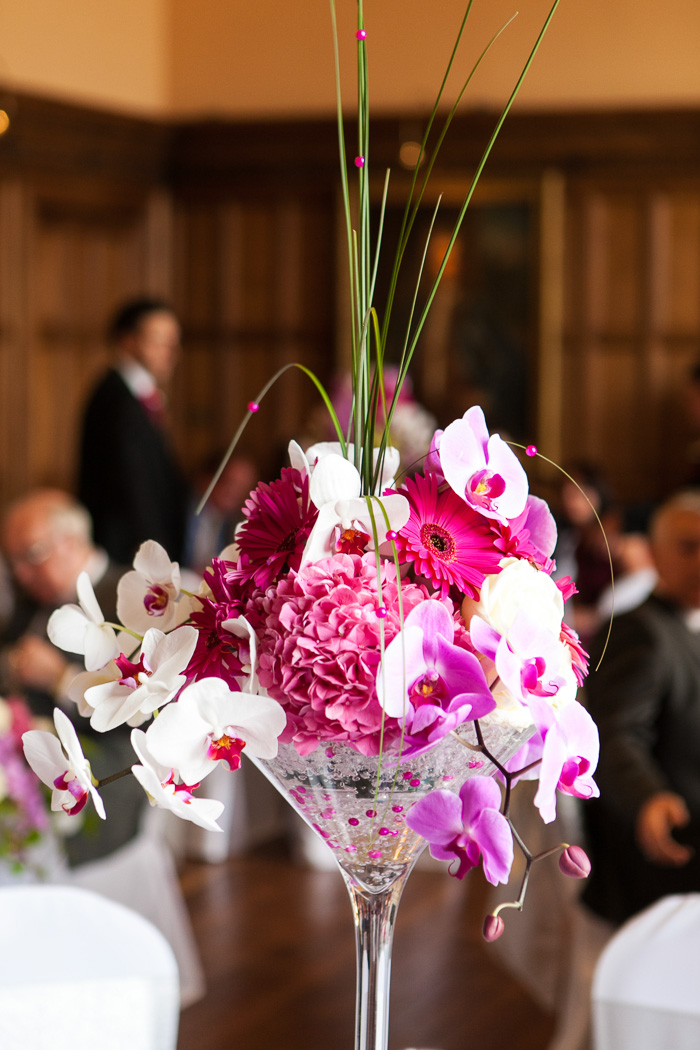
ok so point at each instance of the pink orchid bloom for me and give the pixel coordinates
(59, 763)
(532, 535)
(466, 827)
(159, 784)
(482, 469)
(569, 758)
(427, 680)
(528, 757)
(431, 463)
(210, 723)
(529, 659)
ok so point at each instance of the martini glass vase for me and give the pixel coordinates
(358, 805)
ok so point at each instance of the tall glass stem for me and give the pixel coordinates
(374, 915)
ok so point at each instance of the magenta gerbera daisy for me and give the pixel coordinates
(280, 517)
(579, 656)
(448, 542)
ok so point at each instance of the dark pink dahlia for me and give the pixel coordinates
(271, 541)
(218, 652)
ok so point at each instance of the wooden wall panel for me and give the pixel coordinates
(239, 223)
(255, 292)
(87, 259)
(15, 267)
(632, 328)
(614, 247)
(84, 222)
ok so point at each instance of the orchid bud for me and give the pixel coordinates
(493, 927)
(574, 862)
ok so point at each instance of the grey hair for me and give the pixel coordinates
(72, 520)
(685, 500)
(64, 514)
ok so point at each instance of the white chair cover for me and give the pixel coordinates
(142, 876)
(78, 972)
(646, 989)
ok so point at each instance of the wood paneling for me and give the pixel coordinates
(85, 222)
(632, 327)
(238, 224)
(260, 298)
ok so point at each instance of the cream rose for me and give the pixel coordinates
(518, 587)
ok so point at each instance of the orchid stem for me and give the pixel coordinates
(123, 630)
(113, 777)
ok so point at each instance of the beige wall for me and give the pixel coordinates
(110, 53)
(274, 57)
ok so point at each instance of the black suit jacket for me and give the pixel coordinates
(129, 479)
(646, 701)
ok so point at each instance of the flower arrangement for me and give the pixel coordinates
(358, 609)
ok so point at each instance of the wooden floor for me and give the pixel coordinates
(276, 942)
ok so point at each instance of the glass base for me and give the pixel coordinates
(357, 804)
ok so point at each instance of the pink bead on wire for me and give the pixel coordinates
(253, 406)
(361, 34)
(381, 611)
(391, 534)
(359, 162)
(531, 450)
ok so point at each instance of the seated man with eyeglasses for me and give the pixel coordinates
(47, 542)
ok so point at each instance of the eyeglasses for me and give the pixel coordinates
(35, 555)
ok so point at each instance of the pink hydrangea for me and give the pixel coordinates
(319, 639)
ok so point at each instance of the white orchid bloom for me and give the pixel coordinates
(59, 763)
(210, 723)
(82, 629)
(86, 680)
(159, 784)
(150, 594)
(335, 488)
(297, 458)
(146, 686)
(307, 462)
(240, 628)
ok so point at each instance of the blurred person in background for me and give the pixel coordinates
(213, 529)
(593, 549)
(129, 478)
(47, 542)
(643, 833)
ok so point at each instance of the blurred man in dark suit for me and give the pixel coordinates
(643, 833)
(645, 828)
(129, 479)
